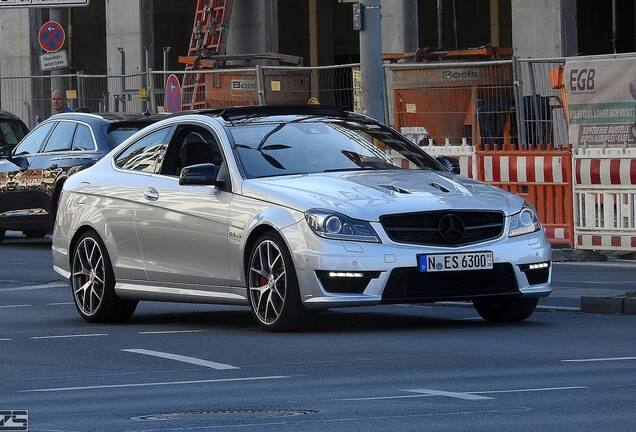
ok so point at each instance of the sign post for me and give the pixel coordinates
(173, 94)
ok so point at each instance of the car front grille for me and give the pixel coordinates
(408, 284)
(444, 228)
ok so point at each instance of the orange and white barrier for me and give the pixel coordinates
(524, 168)
(464, 153)
(543, 178)
(609, 171)
(605, 199)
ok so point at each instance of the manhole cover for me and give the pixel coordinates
(226, 413)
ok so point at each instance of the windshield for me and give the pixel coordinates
(11, 132)
(120, 133)
(308, 145)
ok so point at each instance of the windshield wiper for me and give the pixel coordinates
(352, 169)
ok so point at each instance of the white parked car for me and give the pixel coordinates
(288, 210)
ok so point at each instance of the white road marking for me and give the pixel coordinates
(153, 384)
(33, 287)
(170, 331)
(69, 336)
(454, 395)
(14, 306)
(184, 359)
(473, 395)
(60, 304)
(386, 397)
(5, 339)
(599, 359)
(532, 390)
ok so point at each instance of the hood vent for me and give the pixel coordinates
(395, 189)
(439, 187)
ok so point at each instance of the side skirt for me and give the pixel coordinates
(138, 290)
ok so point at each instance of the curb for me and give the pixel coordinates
(565, 255)
(581, 255)
(609, 305)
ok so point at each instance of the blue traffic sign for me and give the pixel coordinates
(173, 94)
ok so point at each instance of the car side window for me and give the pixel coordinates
(32, 143)
(61, 137)
(142, 154)
(83, 139)
(190, 145)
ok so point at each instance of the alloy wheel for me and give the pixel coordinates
(89, 276)
(267, 282)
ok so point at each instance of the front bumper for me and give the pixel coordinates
(398, 261)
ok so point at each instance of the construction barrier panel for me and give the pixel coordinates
(465, 154)
(543, 178)
(601, 100)
(605, 200)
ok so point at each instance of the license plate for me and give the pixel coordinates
(455, 262)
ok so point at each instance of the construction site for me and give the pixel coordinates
(461, 79)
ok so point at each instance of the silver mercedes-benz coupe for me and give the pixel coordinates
(289, 210)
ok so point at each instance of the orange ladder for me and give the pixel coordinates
(209, 37)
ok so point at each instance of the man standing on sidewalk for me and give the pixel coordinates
(58, 102)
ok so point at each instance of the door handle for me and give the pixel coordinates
(151, 194)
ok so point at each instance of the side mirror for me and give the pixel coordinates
(451, 164)
(200, 175)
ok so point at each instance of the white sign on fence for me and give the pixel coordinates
(6, 4)
(602, 102)
(52, 61)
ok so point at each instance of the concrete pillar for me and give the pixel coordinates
(15, 52)
(399, 26)
(253, 27)
(494, 23)
(129, 26)
(544, 28)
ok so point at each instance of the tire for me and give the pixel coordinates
(2, 232)
(34, 234)
(272, 286)
(92, 274)
(505, 309)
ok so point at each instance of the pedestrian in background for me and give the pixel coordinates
(58, 102)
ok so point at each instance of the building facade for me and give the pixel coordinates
(110, 36)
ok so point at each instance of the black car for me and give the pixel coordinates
(32, 175)
(12, 130)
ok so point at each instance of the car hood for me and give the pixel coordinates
(370, 194)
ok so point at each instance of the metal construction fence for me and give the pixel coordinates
(506, 121)
(271, 85)
(29, 97)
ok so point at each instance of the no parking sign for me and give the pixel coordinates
(51, 36)
(173, 94)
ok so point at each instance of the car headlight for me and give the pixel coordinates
(336, 226)
(524, 222)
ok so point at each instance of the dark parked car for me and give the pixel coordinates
(32, 175)
(12, 130)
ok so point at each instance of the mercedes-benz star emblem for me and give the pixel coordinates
(451, 228)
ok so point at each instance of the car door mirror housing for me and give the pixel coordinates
(451, 164)
(200, 175)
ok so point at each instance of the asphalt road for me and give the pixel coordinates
(411, 368)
